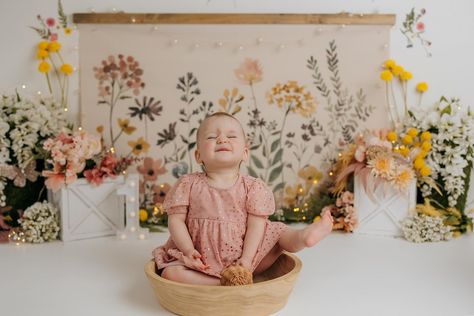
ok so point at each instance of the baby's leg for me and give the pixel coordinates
(185, 275)
(294, 240)
(269, 259)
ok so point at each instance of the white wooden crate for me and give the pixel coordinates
(88, 211)
(381, 213)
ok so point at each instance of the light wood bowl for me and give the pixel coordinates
(266, 296)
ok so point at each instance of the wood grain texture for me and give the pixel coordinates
(265, 297)
(157, 18)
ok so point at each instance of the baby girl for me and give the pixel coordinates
(218, 217)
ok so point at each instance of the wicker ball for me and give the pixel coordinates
(236, 275)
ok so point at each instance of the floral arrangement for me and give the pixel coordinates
(376, 161)
(25, 124)
(343, 212)
(413, 29)
(79, 154)
(40, 222)
(51, 62)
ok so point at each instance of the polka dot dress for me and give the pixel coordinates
(216, 220)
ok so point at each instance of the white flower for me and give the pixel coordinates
(40, 222)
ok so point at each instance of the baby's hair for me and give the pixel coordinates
(217, 114)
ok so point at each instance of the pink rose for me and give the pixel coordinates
(50, 22)
(420, 26)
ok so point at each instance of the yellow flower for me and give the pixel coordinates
(317, 218)
(386, 75)
(425, 171)
(42, 54)
(422, 87)
(407, 139)
(389, 63)
(54, 46)
(419, 163)
(66, 69)
(397, 70)
(44, 67)
(405, 151)
(67, 31)
(403, 177)
(143, 214)
(43, 45)
(412, 132)
(140, 146)
(426, 136)
(310, 174)
(381, 166)
(392, 136)
(406, 75)
(422, 154)
(126, 128)
(100, 129)
(426, 146)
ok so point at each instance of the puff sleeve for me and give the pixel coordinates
(177, 198)
(260, 200)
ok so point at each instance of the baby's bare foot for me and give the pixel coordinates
(317, 231)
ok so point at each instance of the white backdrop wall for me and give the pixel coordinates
(448, 23)
(448, 27)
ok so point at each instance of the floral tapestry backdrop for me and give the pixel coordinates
(301, 92)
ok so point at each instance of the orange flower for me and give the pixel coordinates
(139, 146)
(126, 128)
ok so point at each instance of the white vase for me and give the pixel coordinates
(381, 212)
(88, 211)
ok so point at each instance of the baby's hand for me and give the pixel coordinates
(193, 260)
(244, 262)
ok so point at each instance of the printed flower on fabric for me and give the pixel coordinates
(139, 146)
(292, 97)
(160, 192)
(249, 72)
(151, 169)
(310, 174)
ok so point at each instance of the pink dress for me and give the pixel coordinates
(216, 220)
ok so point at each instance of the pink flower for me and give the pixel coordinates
(420, 26)
(347, 197)
(359, 154)
(50, 22)
(249, 71)
(151, 169)
(54, 181)
(94, 176)
(53, 37)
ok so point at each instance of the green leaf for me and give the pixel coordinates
(183, 154)
(446, 110)
(62, 16)
(257, 162)
(279, 186)
(275, 144)
(123, 97)
(275, 173)
(191, 145)
(277, 157)
(252, 172)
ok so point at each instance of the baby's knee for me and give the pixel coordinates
(172, 273)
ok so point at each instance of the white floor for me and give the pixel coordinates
(345, 274)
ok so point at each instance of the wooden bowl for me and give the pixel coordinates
(266, 296)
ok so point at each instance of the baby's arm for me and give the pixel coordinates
(253, 238)
(180, 235)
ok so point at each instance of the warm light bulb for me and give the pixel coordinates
(132, 214)
(133, 229)
(141, 236)
(131, 199)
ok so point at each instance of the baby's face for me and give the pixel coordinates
(221, 143)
